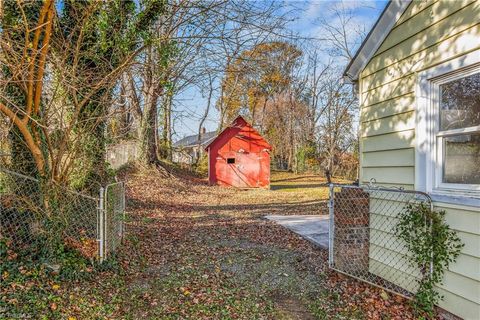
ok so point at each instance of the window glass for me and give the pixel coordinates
(462, 159)
(231, 160)
(460, 103)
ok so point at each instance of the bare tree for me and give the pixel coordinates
(341, 32)
(334, 100)
(160, 73)
(337, 133)
(60, 73)
(210, 89)
(193, 44)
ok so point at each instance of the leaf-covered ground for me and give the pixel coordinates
(193, 251)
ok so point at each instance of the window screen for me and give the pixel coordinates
(459, 130)
(460, 103)
(462, 159)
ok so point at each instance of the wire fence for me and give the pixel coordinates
(38, 218)
(363, 240)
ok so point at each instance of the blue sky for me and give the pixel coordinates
(366, 11)
(191, 104)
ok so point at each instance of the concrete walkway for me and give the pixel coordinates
(311, 227)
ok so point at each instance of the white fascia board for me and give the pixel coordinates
(375, 38)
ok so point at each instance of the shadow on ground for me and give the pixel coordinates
(197, 252)
(297, 186)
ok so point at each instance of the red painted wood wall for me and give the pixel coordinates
(239, 157)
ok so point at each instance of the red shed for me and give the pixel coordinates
(239, 157)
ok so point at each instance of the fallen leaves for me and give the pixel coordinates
(185, 292)
(384, 295)
(193, 226)
(198, 252)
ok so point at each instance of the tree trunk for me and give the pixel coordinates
(166, 149)
(93, 148)
(202, 121)
(148, 130)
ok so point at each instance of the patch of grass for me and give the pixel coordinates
(203, 292)
(329, 305)
(268, 270)
(309, 185)
(320, 193)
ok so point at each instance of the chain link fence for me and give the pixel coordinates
(36, 218)
(363, 240)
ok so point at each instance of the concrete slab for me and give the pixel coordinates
(311, 227)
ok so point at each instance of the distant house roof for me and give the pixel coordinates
(192, 141)
(376, 36)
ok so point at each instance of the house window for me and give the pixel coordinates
(456, 102)
(447, 135)
(231, 160)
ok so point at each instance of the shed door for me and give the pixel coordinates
(238, 169)
(247, 170)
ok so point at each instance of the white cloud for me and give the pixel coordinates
(358, 4)
(315, 8)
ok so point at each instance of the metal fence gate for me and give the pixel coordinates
(111, 218)
(363, 241)
(94, 226)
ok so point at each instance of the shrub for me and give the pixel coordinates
(433, 246)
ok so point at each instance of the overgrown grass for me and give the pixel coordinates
(312, 185)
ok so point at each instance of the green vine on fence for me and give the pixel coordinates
(433, 246)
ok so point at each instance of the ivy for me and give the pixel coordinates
(433, 247)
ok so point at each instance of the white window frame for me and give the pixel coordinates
(429, 140)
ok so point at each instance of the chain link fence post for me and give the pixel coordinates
(101, 224)
(124, 216)
(331, 225)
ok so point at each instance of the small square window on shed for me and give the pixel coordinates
(231, 160)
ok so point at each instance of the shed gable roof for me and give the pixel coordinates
(239, 122)
(385, 23)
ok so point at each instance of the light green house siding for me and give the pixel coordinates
(388, 257)
(427, 34)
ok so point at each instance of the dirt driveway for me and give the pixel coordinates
(199, 252)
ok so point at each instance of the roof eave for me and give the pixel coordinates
(375, 38)
(206, 142)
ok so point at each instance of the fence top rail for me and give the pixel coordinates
(113, 184)
(13, 173)
(374, 187)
